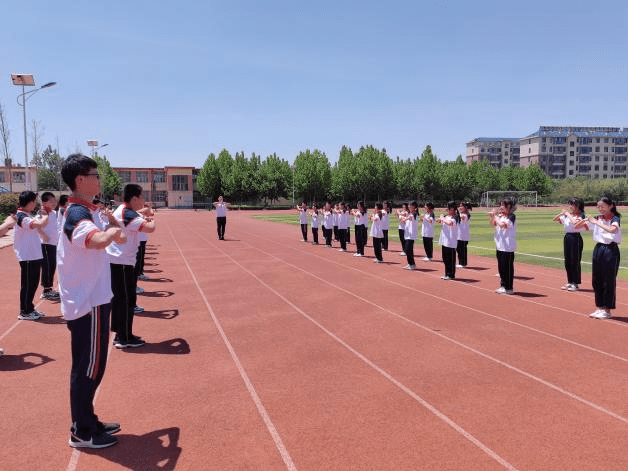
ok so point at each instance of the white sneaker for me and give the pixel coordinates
(402, 254)
(1, 352)
(459, 266)
(427, 259)
(497, 275)
(595, 313)
(139, 290)
(509, 291)
(500, 290)
(446, 278)
(31, 316)
(378, 261)
(407, 266)
(138, 309)
(572, 287)
(565, 286)
(603, 314)
(143, 277)
(341, 250)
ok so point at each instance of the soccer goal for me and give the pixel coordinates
(522, 198)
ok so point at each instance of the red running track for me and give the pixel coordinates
(267, 353)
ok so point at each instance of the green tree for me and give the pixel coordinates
(312, 175)
(455, 179)
(110, 182)
(208, 180)
(49, 164)
(427, 175)
(403, 174)
(537, 180)
(276, 178)
(224, 162)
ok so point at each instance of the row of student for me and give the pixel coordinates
(97, 254)
(606, 232)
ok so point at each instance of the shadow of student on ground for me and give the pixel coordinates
(161, 314)
(23, 361)
(154, 451)
(175, 346)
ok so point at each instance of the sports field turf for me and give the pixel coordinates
(539, 239)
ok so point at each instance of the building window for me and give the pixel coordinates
(571, 152)
(159, 196)
(596, 176)
(605, 140)
(125, 176)
(597, 148)
(179, 183)
(597, 167)
(141, 177)
(1, 177)
(570, 172)
(529, 150)
(159, 177)
(19, 177)
(597, 140)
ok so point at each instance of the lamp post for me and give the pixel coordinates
(292, 166)
(26, 80)
(93, 143)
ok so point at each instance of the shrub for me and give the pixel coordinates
(8, 203)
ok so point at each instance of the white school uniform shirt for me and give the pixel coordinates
(314, 221)
(221, 210)
(143, 236)
(402, 225)
(505, 239)
(51, 229)
(568, 226)
(328, 220)
(336, 218)
(343, 220)
(376, 227)
(84, 274)
(449, 233)
(464, 227)
(60, 214)
(386, 221)
(411, 227)
(427, 227)
(26, 243)
(602, 236)
(131, 223)
(364, 219)
(303, 217)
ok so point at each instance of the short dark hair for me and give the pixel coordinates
(46, 195)
(27, 197)
(63, 200)
(75, 165)
(131, 190)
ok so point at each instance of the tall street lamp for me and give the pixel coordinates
(93, 143)
(26, 80)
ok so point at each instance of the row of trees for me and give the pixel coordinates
(368, 174)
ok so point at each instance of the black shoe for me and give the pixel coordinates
(109, 427)
(97, 440)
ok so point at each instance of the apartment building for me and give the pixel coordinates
(499, 151)
(570, 151)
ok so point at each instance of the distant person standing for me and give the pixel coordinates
(221, 216)
(49, 236)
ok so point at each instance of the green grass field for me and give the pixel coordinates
(537, 237)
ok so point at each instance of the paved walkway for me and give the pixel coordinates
(7, 240)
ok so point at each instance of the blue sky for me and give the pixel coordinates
(166, 83)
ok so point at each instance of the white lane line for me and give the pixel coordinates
(381, 371)
(449, 301)
(76, 452)
(8, 331)
(449, 339)
(285, 455)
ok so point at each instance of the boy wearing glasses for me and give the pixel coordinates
(85, 288)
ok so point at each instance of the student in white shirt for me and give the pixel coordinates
(449, 239)
(410, 220)
(505, 224)
(302, 209)
(221, 216)
(349, 220)
(464, 233)
(606, 230)
(342, 217)
(376, 231)
(85, 287)
(402, 213)
(328, 224)
(361, 220)
(335, 218)
(27, 247)
(427, 231)
(49, 237)
(147, 211)
(385, 225)
(314, 214)
(122, 258)
(572, 242)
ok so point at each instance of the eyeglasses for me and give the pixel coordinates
(92, 175)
